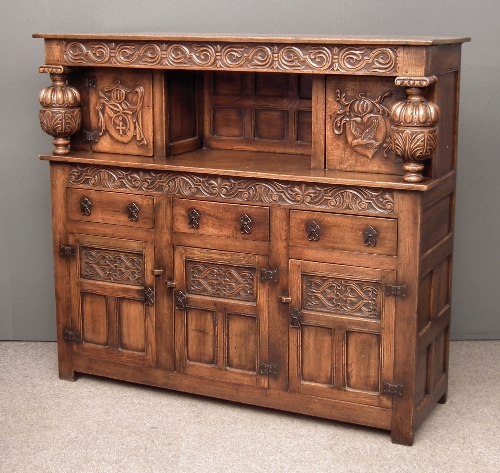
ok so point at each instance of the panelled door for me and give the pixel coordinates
(113, 299)
(341, 332)
(221, 315)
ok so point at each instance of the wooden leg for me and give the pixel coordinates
(443, 398)
(402, 437)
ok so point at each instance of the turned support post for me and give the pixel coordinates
(414, 133)
(60, 115)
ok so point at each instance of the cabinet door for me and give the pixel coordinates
(220, 315)
(341, 332)
(112, 299)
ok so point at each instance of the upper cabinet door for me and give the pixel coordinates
(341, 332)
(221, 327)
(121, 111)
(112, 298)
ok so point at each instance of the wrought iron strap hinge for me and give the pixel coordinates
(268, 370)
(66, 250)
(295, 318)
(392, 389)
(90, 136)
(70, 336)
(270, 275)
(149, 296)
(397, 291)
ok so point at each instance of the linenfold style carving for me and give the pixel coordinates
(364, 121)
(271, 57)
(221, 280)
(359, 199)
(111, 266)
(341, 296)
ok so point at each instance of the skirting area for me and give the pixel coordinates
(100, 425)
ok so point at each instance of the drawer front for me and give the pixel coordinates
(242, 222)
(110, 207)
(343, 232)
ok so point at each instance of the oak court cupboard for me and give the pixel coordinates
(266, 220)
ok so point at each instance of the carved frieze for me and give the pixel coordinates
(240, 56)
(359, 199)
(340, 296)
(221, 280)
(111, 266)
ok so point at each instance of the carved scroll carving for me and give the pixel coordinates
(307, 58)
(112, 266)
(414, 133)
(220, 280)
(341, 296)
(358, 199)
(120, 113)
(364, 121)
(60, 115)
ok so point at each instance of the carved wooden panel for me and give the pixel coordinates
(221, 280)
(264, 57)
(121, 111)
(341, 296)
(358, 124)
(111, 266)
(359, 199)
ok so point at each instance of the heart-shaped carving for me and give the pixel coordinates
(367, 134)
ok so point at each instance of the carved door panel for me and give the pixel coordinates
(121, 111)
(113, 299)
(341, 332)
(221, 315)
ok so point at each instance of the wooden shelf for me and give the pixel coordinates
(285, 167)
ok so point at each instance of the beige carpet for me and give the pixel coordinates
(99, 425)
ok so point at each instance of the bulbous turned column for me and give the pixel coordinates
(60, 115)
(414, 133)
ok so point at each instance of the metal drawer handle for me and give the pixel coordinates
(246, 221)
(312, 229)
(194, 218)
(370, 235)
(85, 206)
(133, 212)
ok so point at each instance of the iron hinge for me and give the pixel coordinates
(90, 82)
(70, 336)
(268, 370)
(149, 296)
(392, 389)
(180, 300)
(295, 318)
(90, 136)
(66, 250)
(270, 275)
(398, 291)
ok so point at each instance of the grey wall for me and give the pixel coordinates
(26, 284)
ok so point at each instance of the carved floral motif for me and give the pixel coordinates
(364, 121)
(220, 280)
(341, 296)
(111, 266)
(358, 199)
(310, 58)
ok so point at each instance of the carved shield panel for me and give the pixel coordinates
(358, 126)
(121, 111)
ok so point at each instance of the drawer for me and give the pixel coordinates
(110, 207)
(242, 222)
(343, 232)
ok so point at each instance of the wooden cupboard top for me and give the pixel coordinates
(304, 39)
(284, 167)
